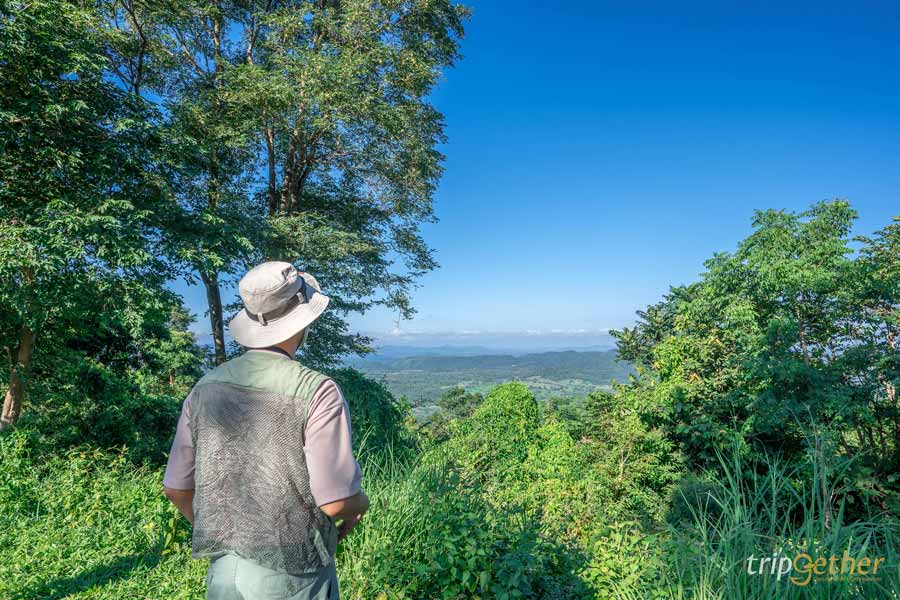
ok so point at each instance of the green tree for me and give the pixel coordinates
(318, 112)
(872, 357)
(459, 403)
(787, 342)
(80, 188)
(213, 150)
(171, 351)
(455, 403)
(179, 53)
(340, 94)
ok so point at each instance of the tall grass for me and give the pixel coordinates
(427, 535)
(776, 511)
(91, 524)
(375, 558)
(88, 523)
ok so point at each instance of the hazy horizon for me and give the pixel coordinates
(468, 342)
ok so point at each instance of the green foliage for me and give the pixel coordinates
(378, 420)
(110, 390)
(80, 191)
(551, 517)
(116, 414)
(89, 524)
(329, 102)
(431, 537)
(454, 404)
(571, 489)
(694, 495)
(457, 402)
(625, 560)
(785, 348)
(638, 464)
(783, 513)
(497, 434)
(788, 338)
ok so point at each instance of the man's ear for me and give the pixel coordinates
(303, 334)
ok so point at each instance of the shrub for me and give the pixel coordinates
(85, 403)
(624, 560)
(378, 419)
(497, 435)
(429, 536)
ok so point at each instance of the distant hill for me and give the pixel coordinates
(398, 351)
(422, 379)
(391, 351)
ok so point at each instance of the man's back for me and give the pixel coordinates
(252, 485)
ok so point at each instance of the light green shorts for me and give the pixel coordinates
(231, 577)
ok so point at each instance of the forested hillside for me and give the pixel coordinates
(752, 449)
(423, 379)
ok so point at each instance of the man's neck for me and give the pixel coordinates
(279, 350)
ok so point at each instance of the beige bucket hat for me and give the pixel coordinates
(279, 301)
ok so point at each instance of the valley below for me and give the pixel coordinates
(422, 379)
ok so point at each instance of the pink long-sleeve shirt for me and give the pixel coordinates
(334, 473)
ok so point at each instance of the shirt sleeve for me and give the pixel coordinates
(180, 468)
(334, 473)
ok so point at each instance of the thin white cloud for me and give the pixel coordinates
(520, 340)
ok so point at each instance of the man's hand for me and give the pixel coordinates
(349, 511)
(347, 526)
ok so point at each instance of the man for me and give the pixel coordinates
(262, 464)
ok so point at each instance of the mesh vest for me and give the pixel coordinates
(252, 494)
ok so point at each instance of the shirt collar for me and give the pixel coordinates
(271, 351)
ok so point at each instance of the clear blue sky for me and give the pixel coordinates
(600, 152)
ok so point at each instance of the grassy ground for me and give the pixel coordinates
(89, 525)
(92, 524)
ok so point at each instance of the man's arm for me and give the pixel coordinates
(355, 505)
(349, 511)
(178, 482)
(334, 474)
(183, 501)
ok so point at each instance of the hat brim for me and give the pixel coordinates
(253, 334)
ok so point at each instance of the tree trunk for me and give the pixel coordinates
(270, 155)
(214, 300)
(803, 346)
(12, 403)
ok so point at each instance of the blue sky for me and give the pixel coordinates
(600, 152)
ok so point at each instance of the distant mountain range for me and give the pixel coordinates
(400, 351)
(423, 378)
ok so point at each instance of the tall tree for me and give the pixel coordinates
(79, 186)
(178, 52)
(340, 92)
(321, 108)
(790, 335)
(202, 36)
(872, 359)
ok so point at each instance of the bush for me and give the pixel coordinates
(519, 511)
(497, 435)
(625, 560)
(429, 536)
(86, 404)
(693, 496)
(378, 420)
